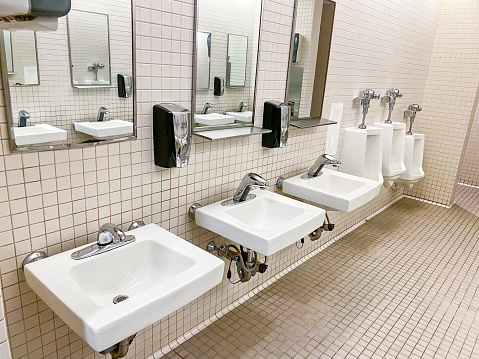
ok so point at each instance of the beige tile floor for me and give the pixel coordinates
(403, 285)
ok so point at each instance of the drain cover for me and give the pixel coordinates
(119, 298)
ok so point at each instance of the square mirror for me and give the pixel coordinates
(310, 48)
(89, 48)
(83, 77)
(226, 51)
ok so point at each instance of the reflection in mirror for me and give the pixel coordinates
(88, 35)
(203, 55)
(21, 54)
(232, 62)
(56, 114)
(310, 57)
(236, 60)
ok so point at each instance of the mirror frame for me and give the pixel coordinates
(87, 86)
(290, 61)
(37, 148)
(3, 59)
(199, 129)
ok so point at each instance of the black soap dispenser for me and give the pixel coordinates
(172, 132)
(276, 117)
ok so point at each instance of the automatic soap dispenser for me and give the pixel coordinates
(172, 132)
(276, 117)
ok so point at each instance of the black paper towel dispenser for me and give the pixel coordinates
(276, 117)
(171, 135)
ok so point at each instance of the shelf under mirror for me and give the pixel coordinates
(311, 122)
(226, 133)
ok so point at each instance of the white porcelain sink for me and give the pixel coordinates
(333, 190)
(105, 129)
(245, 116)
(265, 224)
(159, 272)
(214, 119)
(40, 133)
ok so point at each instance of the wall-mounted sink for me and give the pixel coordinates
(105, 129)
(244, 116)
(40, 133)
(266, 224)
(158, 272)
(213, 119)
(333, 190)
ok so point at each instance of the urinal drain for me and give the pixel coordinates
(119, 298)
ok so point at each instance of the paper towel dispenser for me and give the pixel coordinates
(26, 10)
(276, 117)
(171, 135)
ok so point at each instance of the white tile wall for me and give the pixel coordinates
(56, 200)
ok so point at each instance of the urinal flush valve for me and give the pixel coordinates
(390, 99)
(247, 263)
(411, 112)
(364, 100)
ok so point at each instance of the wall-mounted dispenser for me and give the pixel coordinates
(32, 14)
(276, 117)
(124, 85)
(297, 47)
(219, 86)
(172, 132)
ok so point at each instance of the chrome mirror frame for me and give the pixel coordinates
(37, 148)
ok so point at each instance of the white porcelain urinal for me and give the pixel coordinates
(413, 156)
(393, 151)
(362, 153)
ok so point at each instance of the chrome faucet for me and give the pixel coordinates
(102, 114)
(109, 233)
(242, 106)
(364, 100)
(23, 117)
(95, 67)
(322, 161)
(390, 99)
(250, 180)
(411, 112)
(207, 107)
(109, 237)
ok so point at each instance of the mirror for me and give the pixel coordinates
(85, 92)
(21, 58)
(225, 63)
(203, 55)
(89, 40)
(236, 61)
(310, 48)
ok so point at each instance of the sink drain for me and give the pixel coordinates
(119, 298)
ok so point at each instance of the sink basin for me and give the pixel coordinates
(105, 129)
(159, 272)
(213, 119)
(335, 191)
(40, 133)
(266, 224)
(245, 116)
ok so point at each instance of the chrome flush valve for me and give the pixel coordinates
(364, 100)
(390, 99)
(411, 113)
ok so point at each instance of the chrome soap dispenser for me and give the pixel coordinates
(276, 117)
(172, 132)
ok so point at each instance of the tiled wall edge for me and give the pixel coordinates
(180, 340)
(467, 185)
(4, 344)
(428, 201)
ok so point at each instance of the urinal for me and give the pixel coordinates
(413, 157)
(413, 152)
(394, 135)
(362, 152)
